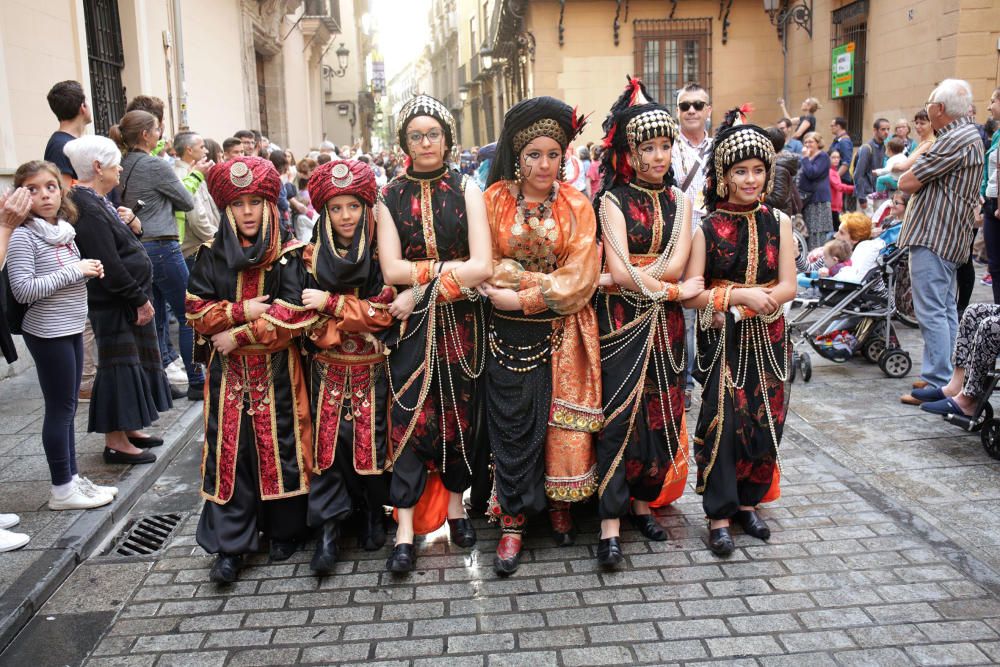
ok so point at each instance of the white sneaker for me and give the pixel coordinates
(176, 373)
(9, 521)
(10, 541)
(80, 498)
(87, 484)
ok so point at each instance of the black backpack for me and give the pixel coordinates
(13, 310)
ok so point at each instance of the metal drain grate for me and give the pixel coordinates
(147, 535)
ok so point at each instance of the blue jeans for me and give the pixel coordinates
(934, 296)
(170, 279)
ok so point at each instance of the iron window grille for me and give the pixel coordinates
(670, 53)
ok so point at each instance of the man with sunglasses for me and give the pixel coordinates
(692, 147)
(687, 158)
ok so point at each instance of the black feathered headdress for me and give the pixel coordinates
(529, 119)
(633, 119)
(735, 141)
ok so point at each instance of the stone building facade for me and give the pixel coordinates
(221, 66)
(580, 51)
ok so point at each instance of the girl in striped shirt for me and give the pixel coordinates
(48, 276)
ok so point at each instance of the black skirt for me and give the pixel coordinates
(130, 388)
(518, 405)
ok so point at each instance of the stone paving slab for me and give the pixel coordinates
(60, 540)
(851, 577)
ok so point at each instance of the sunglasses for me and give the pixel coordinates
(698, 105)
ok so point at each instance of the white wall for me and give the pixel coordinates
(28, 68)
(213, 66)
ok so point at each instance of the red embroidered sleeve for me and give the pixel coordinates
(243, 335)
(288, 315)
(237, 313)
(331, 305)
(209, 317)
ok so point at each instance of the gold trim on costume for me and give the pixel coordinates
(427, 218)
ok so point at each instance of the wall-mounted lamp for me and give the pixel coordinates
(486, 58)
(799, 14)
(342, 53)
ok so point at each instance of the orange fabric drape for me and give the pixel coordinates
(676, 480)
(775, 491)
(431, 511)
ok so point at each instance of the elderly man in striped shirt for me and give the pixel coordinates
(938, 228)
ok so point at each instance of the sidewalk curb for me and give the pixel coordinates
(92, 527)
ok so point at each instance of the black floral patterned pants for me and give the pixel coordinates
(977, 345)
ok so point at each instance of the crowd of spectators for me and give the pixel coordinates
(97, 240)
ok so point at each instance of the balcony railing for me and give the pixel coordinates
(320, 21)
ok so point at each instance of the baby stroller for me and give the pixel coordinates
(868, 306)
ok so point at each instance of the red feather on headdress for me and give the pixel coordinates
(745, 111)
(634, 85)
(626, 170)
(577, 122)
(609, 139)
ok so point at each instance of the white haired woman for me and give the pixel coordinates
(130, 389)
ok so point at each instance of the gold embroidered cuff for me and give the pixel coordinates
(531, 300)
(449, 289)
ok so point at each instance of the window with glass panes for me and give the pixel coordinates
(670, 53)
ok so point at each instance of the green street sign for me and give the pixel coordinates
(842, 71)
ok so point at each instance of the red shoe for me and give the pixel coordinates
(508, 554)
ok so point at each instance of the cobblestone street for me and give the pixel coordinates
(328, 263)
(883, 554)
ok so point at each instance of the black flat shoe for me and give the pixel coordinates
(753, 525)
(225, 569)
(145, 443)
(609, 553)
(282, 550)
(196, 392)
(508, 557)
(113, 456)
(372, 535)
(462, 532)
(720, 541)
(647, 525)
(326, 548)
(402, 559)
